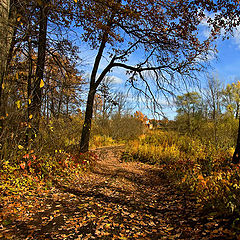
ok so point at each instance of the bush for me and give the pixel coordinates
(125, 127)
(201, 167)
(118, 128)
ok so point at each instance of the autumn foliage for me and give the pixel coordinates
(59, 106)
(202, 168)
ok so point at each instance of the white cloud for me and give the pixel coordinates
(211, 56)
(236, 36)
(116, 80)
(207, 29)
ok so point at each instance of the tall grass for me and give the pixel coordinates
(194, 165)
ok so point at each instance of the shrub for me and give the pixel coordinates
(201, 167)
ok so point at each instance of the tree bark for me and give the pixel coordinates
(29, 85)
(94, 83)
(8, 12)
(84, 144)
(37, 90)
(236, 155)
(4, 39)
(52, 108)
(237, 111)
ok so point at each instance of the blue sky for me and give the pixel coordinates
(226, 66)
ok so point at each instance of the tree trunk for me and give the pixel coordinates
(37, 90)
(60, 102)
(236, 155)
(237, 111)
(84, 145)
(4, 41)
(52, 108)
(8, 12)
(29, 86)
(85, 137)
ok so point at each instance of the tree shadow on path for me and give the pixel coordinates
(120, 200)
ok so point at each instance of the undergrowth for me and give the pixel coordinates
(191, 164)
(31, 172)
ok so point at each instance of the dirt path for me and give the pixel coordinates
(120, 200)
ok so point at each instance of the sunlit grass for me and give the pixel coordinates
(200, 167)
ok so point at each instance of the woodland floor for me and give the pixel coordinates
(116, 200)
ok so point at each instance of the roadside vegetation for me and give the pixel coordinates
(195, 150)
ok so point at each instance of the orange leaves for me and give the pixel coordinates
(139, 115)
(100, 206)
(200, 177)
(26, 156)
(202, 180)
(22, 165)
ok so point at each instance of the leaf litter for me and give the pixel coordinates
(116, 200)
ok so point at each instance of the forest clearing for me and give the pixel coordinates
(117, 122)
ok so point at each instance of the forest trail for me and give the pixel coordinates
(119, 200)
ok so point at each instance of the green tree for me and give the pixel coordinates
(189, 108)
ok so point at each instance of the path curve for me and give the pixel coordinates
(121, 200)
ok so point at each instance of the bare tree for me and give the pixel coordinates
(162, 33)
(213, 98)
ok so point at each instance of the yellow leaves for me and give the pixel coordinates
(60, 151)
(236, 186)
(17, 77)
(3, 85)
(30, 116)
(230, 108)
(20, 147)
(41, 83)
(75, 1)
(219, 177)
(29, 101)
(92, 216)
(18, 103)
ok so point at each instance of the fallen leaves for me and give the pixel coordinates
(108, 208)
